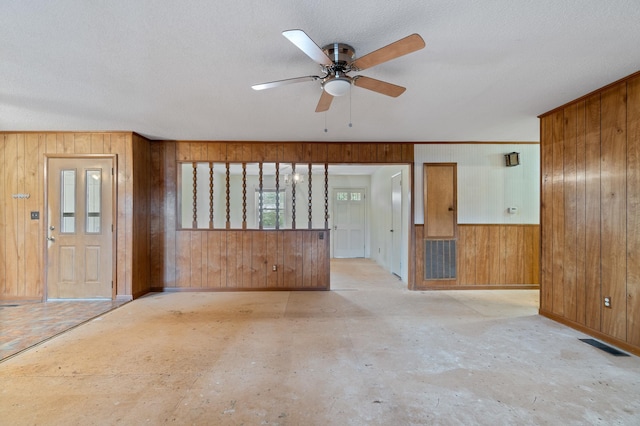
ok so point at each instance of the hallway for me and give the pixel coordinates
(367, 352)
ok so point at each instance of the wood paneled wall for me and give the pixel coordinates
(244, 259)
(286, 152)
(488, 256)
(138, 203)
(22, 161)
(590, 195)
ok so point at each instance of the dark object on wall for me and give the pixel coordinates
(512, 159)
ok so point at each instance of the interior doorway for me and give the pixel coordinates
(80, 227)
(396, 224)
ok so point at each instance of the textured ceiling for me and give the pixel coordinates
(183, 69)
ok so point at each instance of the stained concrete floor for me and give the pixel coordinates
(367, 353)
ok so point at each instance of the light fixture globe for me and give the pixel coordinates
(337, 86)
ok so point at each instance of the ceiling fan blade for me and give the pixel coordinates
(325, 102)
(308, 46)
(378, 86)
(279, 83)
(391, 51)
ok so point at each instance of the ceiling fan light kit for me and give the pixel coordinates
(338, 59)
(337, 86)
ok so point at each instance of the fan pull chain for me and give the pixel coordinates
(350, 121)
(325, 122)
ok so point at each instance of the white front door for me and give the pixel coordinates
(349, 213)
(80, 228)
(396, 224)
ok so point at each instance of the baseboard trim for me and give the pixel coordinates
(479, 287)
(591, 332)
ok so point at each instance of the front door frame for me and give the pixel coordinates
(114, 208)
(365, 231)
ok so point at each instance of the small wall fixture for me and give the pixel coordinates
(512, 159)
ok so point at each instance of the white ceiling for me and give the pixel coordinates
(178, 69)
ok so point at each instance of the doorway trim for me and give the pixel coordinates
(395, 216)
(114, 208)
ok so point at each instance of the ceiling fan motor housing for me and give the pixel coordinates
(341, 54)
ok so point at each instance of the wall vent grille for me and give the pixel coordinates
(439, 259)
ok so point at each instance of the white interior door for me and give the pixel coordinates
(349, 213)
(396, 224)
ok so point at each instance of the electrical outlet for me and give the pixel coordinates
(607, 301)
(274, 268)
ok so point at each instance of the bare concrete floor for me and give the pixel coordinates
(367, 353)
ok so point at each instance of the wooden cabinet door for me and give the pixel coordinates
(440, 201)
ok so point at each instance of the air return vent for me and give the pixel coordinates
(439, 259)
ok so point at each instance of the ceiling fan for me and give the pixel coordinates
(337, 60)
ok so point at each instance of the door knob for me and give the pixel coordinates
(52, 239)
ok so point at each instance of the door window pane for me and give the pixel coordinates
(68, 201)
(94, 193)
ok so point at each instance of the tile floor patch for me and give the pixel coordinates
(26, 324)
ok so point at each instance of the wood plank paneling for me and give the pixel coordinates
(581, 234)
(259, 270)
(493, 254)
(466, 255)
(570, 212)
(322, 259)
(274, 258)
(82, 143)
(593, 291)
(633, 209)
(97, 143)
(334, 153)
(613, 168)
(498, 255)
(484, 256)
(489, 256)
(233, 247)
(196, 257)
(216, 151)
(156, 220)
(546, 214)
(244, 259)
(183, 259)
(142, 186)
(11, 233)
(247, 258)
(33, 277)
(599, 224)
(215, 259)
(320, 153)
(558, 213)
(4, 200)
(291, 153)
